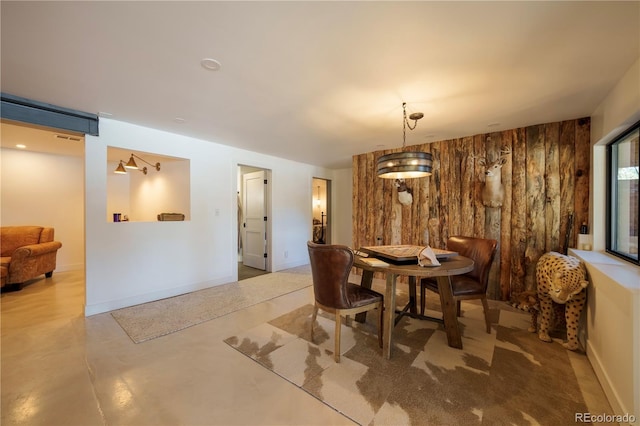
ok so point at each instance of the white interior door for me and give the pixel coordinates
(255, 224)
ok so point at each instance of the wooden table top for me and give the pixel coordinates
(451, 266)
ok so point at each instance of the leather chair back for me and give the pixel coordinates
(330, 268)
(481, 250)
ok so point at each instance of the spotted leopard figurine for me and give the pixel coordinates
(561, 279)
(528, 301)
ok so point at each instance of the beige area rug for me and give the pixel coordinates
(159, 318)
(508, 377)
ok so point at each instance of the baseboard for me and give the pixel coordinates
(288, 265)
(111, 305)
(607, 386)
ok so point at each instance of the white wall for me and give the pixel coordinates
(618, 111)
(613, 304)
(143, 261)
(46, 190)
(342, 193)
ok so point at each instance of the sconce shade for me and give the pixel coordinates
(131, 164)
(405, 165)
(120, 169)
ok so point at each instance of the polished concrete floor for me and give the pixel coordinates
(60, 368)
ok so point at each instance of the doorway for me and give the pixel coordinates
(253, 222)
(321, 209)
(59, 155)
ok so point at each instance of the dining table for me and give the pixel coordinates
(449, 266)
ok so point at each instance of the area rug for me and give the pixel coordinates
(506, 377)
(159, 318)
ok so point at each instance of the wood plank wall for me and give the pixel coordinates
(545, 178)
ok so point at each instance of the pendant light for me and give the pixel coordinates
(405, 164)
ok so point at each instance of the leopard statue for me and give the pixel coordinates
(561, 279)
(528, 301)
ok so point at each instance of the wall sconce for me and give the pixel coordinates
(131, 164)
(318, 199)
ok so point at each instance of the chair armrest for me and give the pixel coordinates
(33, 250)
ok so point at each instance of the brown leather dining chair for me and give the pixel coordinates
(472, 285)
(330, 268)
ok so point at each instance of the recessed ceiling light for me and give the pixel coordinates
(179, 120)
(493, 124)
(210, 64)
(21, 146)
(104, 114)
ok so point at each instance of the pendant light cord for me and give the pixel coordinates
(405, 124)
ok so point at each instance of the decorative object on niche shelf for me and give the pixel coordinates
(405, 164)
(167, 217)
(131, 164)
(584, 229)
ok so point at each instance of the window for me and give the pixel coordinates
(623, 160)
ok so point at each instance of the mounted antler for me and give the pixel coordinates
(493, 191)
(404, 192)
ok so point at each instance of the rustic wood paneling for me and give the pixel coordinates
(445, 189)
(583, 155)
(518, 211)
(356, 212)
(567, 176)
(467, 173)
(435, 232)
(478, 178)
(371, 205)
(505, 219)
(535, 201)
(378, 208)
(552, 185)
(545, 177)
(492, 218)
(422, 224)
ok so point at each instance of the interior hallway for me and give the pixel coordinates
(60, 368)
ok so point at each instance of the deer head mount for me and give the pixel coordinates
(492, 190)
(404, 192)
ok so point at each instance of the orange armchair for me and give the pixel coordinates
(26, 252)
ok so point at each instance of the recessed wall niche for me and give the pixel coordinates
(139, 197)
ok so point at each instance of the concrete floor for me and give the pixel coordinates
(60, 368)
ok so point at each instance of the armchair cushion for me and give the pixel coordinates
(12, 237)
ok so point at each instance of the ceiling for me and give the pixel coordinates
(317, 82)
